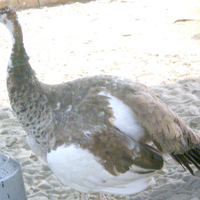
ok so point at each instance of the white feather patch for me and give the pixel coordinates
(8, 24)
(124, 119)
(79, 169)
(36, 148)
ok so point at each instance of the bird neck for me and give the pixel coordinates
(19, 68)
(18, 55)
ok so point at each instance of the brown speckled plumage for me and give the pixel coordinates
(76, 113)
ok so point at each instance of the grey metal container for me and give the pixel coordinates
(11, 181)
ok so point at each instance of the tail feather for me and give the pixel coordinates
(195, 153)
(188, 158)
(183, 161)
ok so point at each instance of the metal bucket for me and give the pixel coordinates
(11, 181)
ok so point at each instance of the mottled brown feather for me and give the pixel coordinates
(115, 150)
(57, 114)
(163, 126)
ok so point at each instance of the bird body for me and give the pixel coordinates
(95, 132)
(82, 171)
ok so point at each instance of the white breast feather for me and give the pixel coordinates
(79, 169)
(36, 148)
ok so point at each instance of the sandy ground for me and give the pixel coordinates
(136, 39)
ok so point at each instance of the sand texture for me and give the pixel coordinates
(151, 41)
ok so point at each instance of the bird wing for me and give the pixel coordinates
(115, 150)
(165, 128)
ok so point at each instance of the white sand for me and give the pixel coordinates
(136, 39)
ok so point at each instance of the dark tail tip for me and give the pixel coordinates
(188, 158)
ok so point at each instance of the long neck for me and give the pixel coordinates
(18, 66)
(28, 97)
(18, 55)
